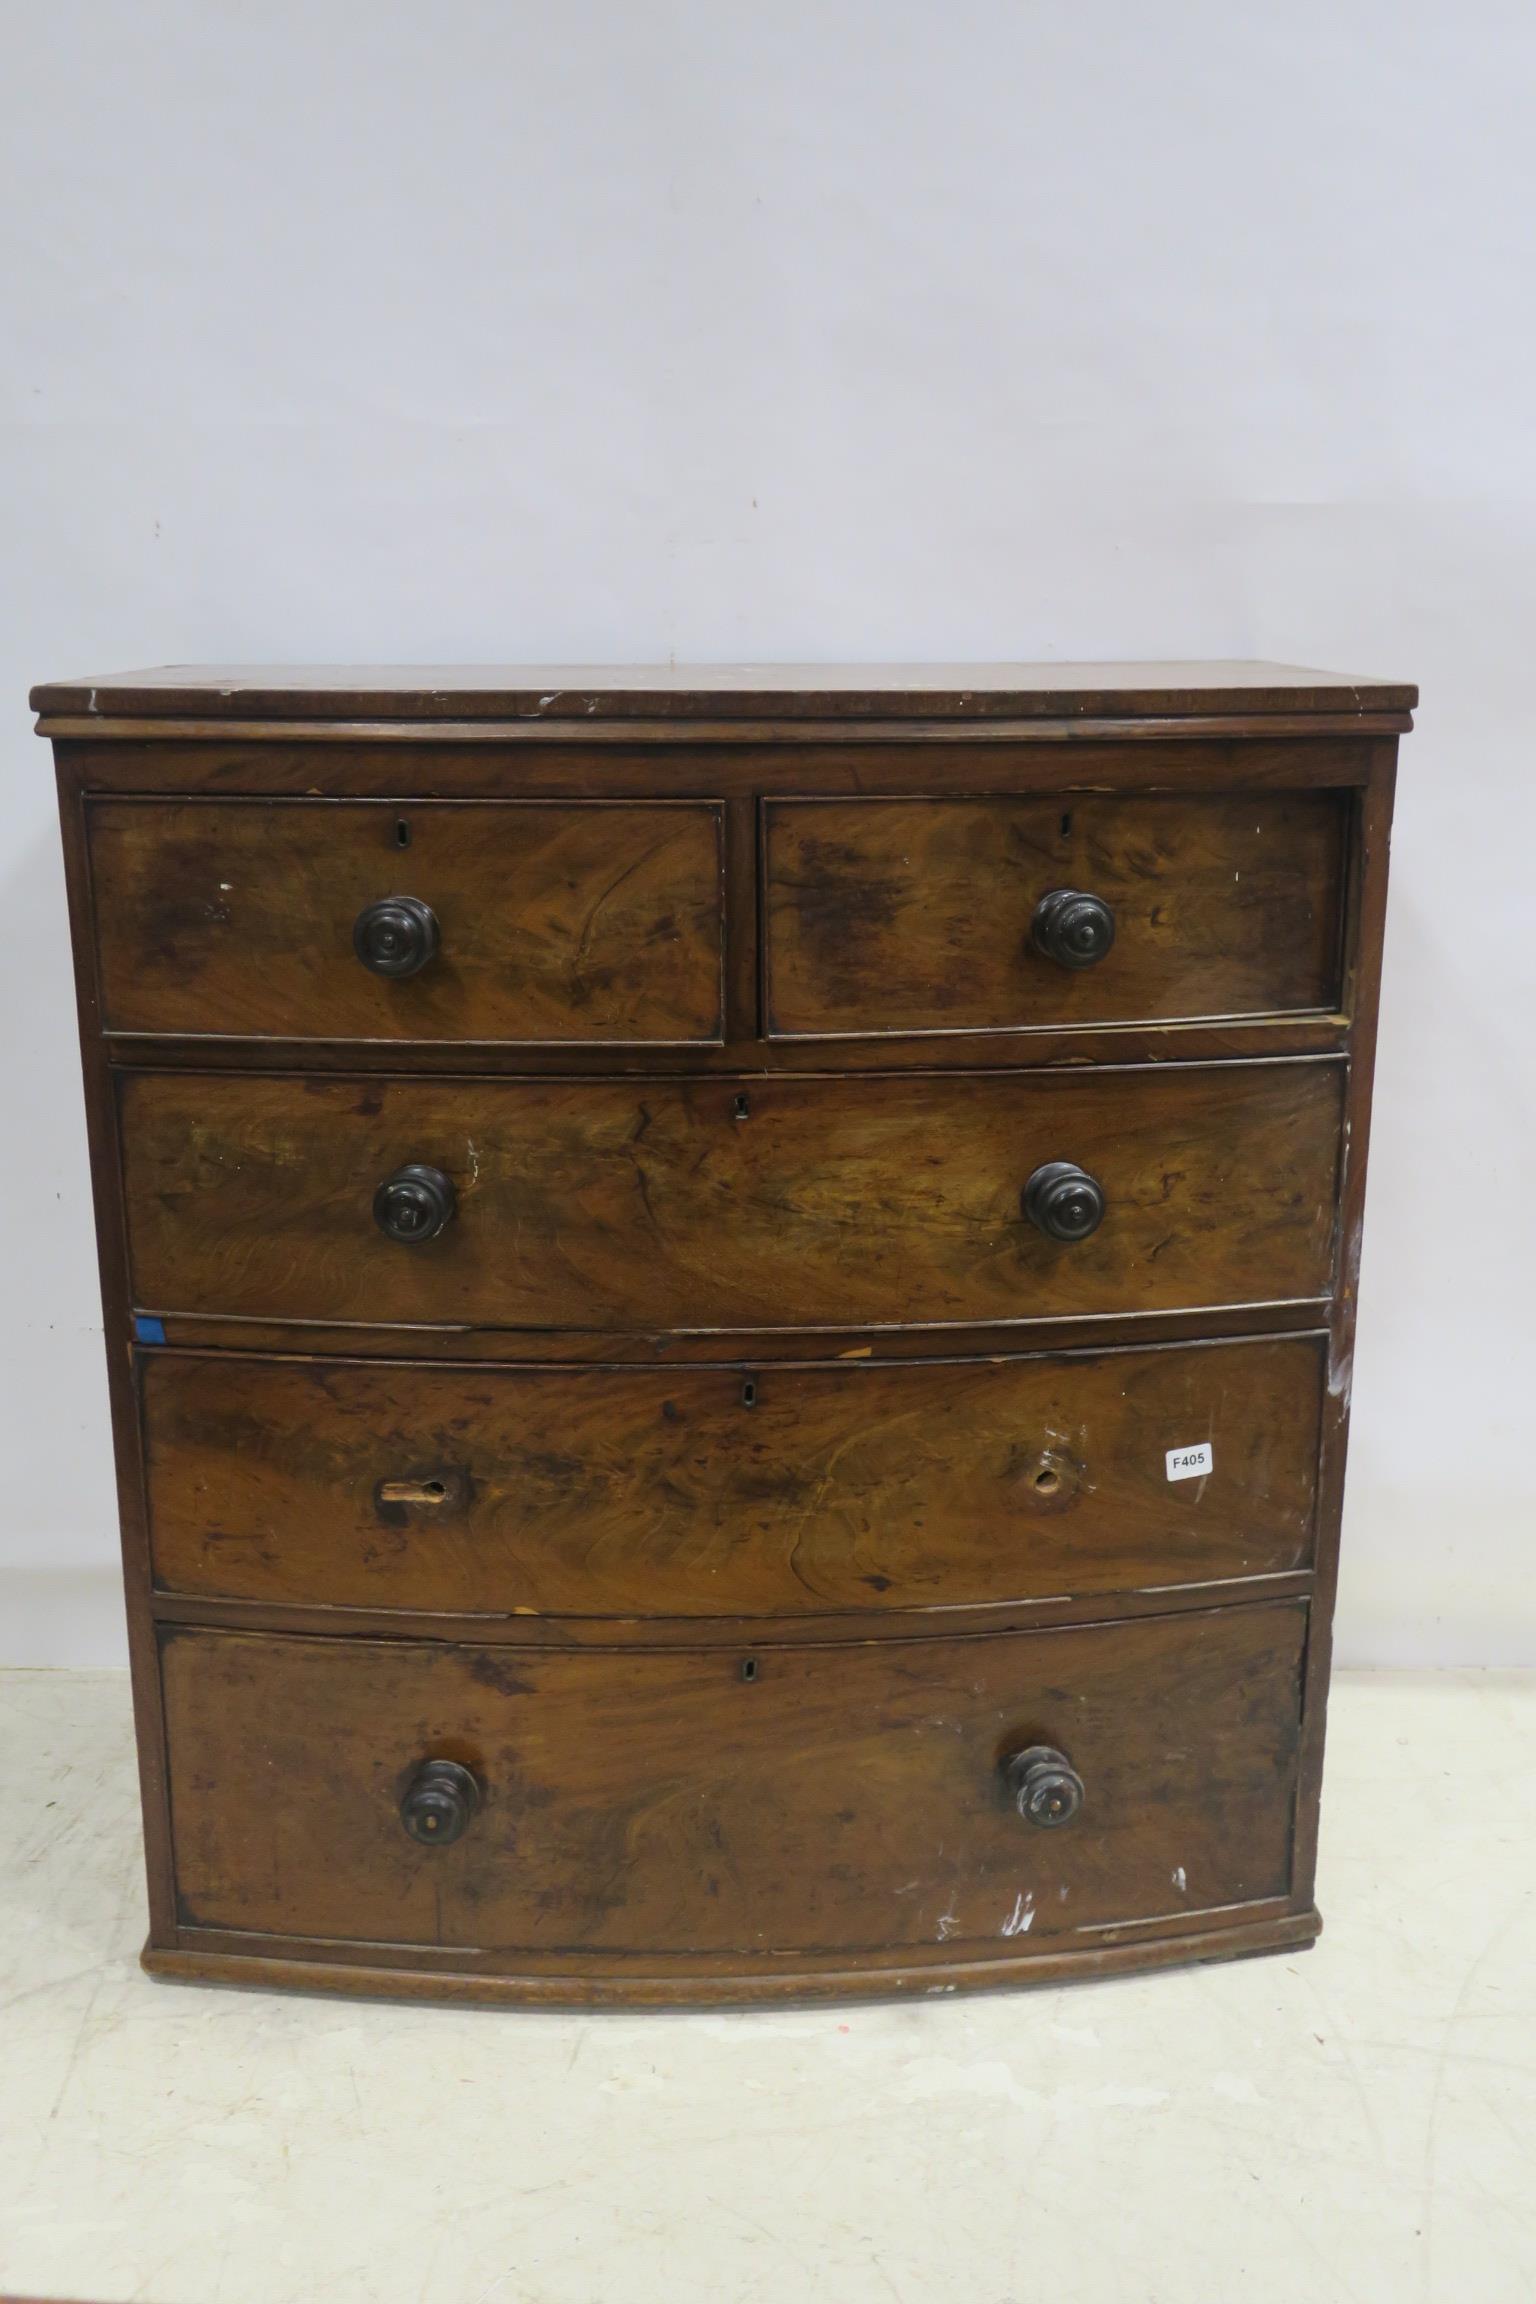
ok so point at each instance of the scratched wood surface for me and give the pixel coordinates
(914, 915)
(702, 1204)
(584, 692)
(708, 761)
(713, 1492)
(841, 1798)
(575, 922)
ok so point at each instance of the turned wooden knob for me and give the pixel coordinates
(395, 937)
(1071, 928)
(1047, 1790)
(414, 1204)
(1063, 1201)
(439, 1802)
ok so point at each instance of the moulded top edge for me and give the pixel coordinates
(824, 692)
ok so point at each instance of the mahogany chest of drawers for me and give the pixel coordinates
(729, 1299)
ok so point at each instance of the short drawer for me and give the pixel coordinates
(707, 1492)
(523, 921)
(713, 1204)
(829, 1798)
(952, 915)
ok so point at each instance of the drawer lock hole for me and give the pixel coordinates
(402, 832)
(412, 1491)
(1047, 1481)
(749, 1667)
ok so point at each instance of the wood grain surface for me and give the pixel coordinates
(702, 1204)
(584, 921)
(914, 915)
(839, 1798)
(418, 1972)
(706, 761)
(709, 1492)
(584, 692)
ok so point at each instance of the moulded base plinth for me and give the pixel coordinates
(402, 1973)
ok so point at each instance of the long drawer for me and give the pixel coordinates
(827, 1798)
(708, 1492)
(640, 1205)
(410, 920)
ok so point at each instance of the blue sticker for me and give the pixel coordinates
(147, 1329)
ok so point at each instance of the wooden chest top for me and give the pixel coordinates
(840, 692)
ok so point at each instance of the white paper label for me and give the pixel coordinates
(1189, 1463)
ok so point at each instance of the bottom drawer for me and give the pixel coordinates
(821, 1799)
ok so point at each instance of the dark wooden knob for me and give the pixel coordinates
(395, 937)
(1064, 1201)
(414, 1204)
(1047, 1790)
(439, 1802)
(1071, 928)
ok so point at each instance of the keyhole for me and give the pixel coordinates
(749, 1667)
(749, 1393)
(1066, 824)
(412, 1491)
(402, 833)
(742, 1110)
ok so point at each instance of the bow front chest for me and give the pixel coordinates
(729, 1300)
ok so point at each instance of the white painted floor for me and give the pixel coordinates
(1352, 2123)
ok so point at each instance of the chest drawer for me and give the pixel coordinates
(710, 1203)
(956, 915)
(660, 1801)
(704, 1492)
(584, 921)
(705, 1204)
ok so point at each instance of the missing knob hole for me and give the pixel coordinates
(1049, 1480)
